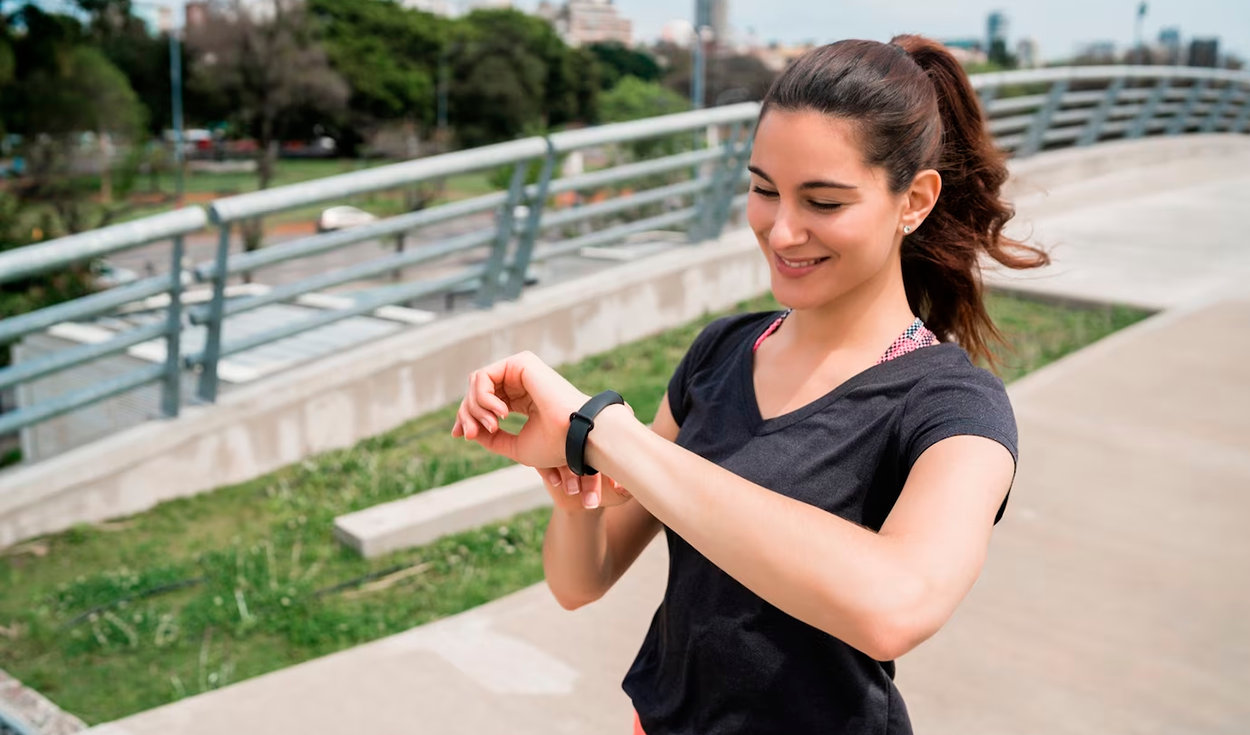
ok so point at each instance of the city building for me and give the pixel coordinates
(719, 21)
(1028, 54)
(1170, 45)
(678, 32)
(966, 50)
(776, 57)
(437, 7)
(995, 30)
(1101, 52)
(197, 13)
(582, 22)
(1204, 52)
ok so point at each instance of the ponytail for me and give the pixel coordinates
(914, 109)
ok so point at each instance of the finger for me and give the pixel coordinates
(572, 483)
(485, 418)
(591, 498)
(501, 442)
(486, 397)
(551, 476)
(456, 429)
(467, 424)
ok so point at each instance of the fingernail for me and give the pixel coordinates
(570, 486)
(591, 500)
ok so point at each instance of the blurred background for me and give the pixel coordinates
(249, 248)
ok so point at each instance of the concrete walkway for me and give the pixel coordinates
(1114, 599)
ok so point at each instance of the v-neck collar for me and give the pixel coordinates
(761, 425)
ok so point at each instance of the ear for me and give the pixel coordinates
(920, 198)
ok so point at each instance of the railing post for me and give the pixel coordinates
(525, 246)
(1179, 123)
(1221, 106)
(1041, 120)
(1093, 128)
(171, 397)
(1148, 111)
(986, 95)
(207, 391)
(1243, 117)
(503, 237)
(738, 155)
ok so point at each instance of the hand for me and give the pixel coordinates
(574, 493)
(525, 384)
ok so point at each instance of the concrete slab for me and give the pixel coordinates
(427, 516)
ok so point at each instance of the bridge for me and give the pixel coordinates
(1100, 611)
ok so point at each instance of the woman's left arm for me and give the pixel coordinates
(882, 593)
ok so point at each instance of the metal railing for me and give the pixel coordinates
(696, 184)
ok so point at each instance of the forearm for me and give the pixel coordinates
(828, 572)
(575, 550)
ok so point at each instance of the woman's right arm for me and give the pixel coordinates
(586, 551)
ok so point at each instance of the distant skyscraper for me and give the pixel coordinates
(1204, 52)
(720, 22)
(995, 29)
(582, 22)
(1169, 40)
(1028, 56)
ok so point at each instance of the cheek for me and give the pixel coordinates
(759, 215)
(858, 235)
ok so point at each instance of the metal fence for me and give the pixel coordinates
(689, 170)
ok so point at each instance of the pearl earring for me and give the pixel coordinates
(906, 229)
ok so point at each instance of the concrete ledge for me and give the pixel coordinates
(428, 516)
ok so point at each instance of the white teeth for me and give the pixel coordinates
(800, 263)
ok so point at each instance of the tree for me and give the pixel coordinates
(730, 78)
(510, 73)
(267, 62)
(62, 94)
(634, 99)
(389, 57)
(617, 61)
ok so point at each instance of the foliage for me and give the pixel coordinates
(729, 78)
(633, 98)
(511, 71)
(388, 55)
(617, 61)
(270, 68)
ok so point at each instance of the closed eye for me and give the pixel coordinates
(819, 206)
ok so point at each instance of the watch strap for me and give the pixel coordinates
(581, 422)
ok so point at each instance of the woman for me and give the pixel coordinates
(827, 477)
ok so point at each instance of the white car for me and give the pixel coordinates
(338, 218)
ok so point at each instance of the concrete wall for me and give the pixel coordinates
(338, 401)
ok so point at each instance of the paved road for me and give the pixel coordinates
(1114, 599)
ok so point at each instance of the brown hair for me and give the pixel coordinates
(913, 108)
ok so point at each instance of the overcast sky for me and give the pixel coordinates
(1057, 25)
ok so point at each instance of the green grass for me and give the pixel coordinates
(200, 592)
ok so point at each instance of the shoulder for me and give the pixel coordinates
(953, 397)
(728, 333)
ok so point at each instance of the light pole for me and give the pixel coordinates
(173, 26)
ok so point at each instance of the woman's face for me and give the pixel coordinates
(826, 222)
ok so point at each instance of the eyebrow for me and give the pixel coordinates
(805, 184)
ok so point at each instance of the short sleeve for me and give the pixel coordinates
(958, 403)
(695, 359)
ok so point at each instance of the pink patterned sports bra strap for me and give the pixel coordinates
(771, 328)
(916, 336)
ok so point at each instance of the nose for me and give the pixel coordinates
(787, 231)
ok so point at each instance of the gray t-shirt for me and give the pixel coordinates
(718, 659)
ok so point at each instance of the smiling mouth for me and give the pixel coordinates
(801, 263)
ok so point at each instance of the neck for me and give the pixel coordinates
(866, 319)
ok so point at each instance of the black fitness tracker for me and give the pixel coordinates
(581, 422)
